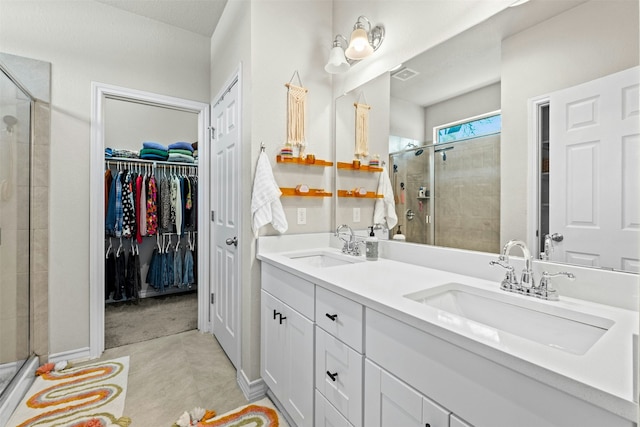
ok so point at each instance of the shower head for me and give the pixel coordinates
(418, 151)
(9, 121)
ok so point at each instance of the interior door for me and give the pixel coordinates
(225, 191)
(594, 179)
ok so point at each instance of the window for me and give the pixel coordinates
(475, 127)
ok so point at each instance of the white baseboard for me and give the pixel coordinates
(76, 355)
(252, 390)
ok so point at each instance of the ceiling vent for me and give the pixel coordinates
(404, 74)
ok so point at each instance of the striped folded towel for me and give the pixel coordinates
(180, 145)
(154, 145)
(177, 157)
(179, 151)
(145, 152)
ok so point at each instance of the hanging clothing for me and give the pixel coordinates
(118, 206)
(152, 217)
(165, 206)
(132, 282)
(109, 275)
(120, 272)
(110, 216)
(142, 206)
(138, 192)
(187, 270)
(128, 213)
(108, 178)
(177, 269)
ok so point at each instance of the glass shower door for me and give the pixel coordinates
(15, 140)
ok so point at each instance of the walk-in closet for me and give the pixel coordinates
(150, 221)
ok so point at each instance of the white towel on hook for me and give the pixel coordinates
(265, 199)
(385, 208)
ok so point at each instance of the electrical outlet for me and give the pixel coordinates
(356, 214)
(302, 216)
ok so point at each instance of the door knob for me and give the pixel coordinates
(232, 241)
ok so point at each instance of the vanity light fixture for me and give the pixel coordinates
(364, 40)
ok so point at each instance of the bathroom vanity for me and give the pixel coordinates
(350, 342)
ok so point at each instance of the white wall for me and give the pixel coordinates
(470, 104)
(582, 44)
(272, 39)
(88, 41)
(406, 120)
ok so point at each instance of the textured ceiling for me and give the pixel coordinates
(197, 16)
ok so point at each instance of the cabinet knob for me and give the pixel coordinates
(281, 318)
(333, 317)
(332, 376)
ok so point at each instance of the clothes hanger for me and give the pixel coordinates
(119, 248)
(109, 248)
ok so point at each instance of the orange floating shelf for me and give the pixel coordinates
(313, 192)
(351, 193)
(362, 168)
(302, 162)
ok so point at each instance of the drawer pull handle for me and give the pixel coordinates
(281, 318)
(275, 313)
(333, 317)
(332, 376)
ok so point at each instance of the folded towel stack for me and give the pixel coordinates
(121, 153)
(181, 152)
(154, 151)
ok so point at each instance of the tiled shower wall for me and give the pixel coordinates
(465, 195)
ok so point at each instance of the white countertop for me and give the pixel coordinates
(602, 376)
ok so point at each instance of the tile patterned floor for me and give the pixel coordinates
(172, 374)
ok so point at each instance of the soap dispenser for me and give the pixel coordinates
(399, 235)
(371, 245)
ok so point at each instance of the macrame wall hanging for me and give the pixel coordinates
(296, 106)
(362, 127)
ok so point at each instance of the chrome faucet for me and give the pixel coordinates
(526, 279)
(526, 285)
(351, 245)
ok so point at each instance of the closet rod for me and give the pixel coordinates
(116, 160)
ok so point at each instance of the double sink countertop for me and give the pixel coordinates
(604, 375)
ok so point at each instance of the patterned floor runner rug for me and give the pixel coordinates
(75, 396)
(258, 414)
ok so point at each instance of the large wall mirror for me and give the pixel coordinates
(475, 189)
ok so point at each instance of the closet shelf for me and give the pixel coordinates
(362, 168)
(115, 160)
(351, 193)
(313, 192)
(302, 162)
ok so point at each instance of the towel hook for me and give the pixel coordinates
(262, 147)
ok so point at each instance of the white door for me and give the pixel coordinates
(225, 192)
(594, 179)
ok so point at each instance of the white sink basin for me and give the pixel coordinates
(323, 259)
(487, 313)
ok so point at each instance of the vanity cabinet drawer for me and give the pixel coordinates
(340, 316)
(339, 375)
(327, 415)
(297, 293)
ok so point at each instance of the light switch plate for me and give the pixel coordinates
(302, 216)
(356, 214)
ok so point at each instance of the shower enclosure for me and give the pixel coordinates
(24, 141)
(449, 194)
(15, 140)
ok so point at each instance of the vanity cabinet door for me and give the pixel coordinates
(389, 402)
(327, 415)
(457, 422)
(287, 357)
(339, 375)
(272, 339)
